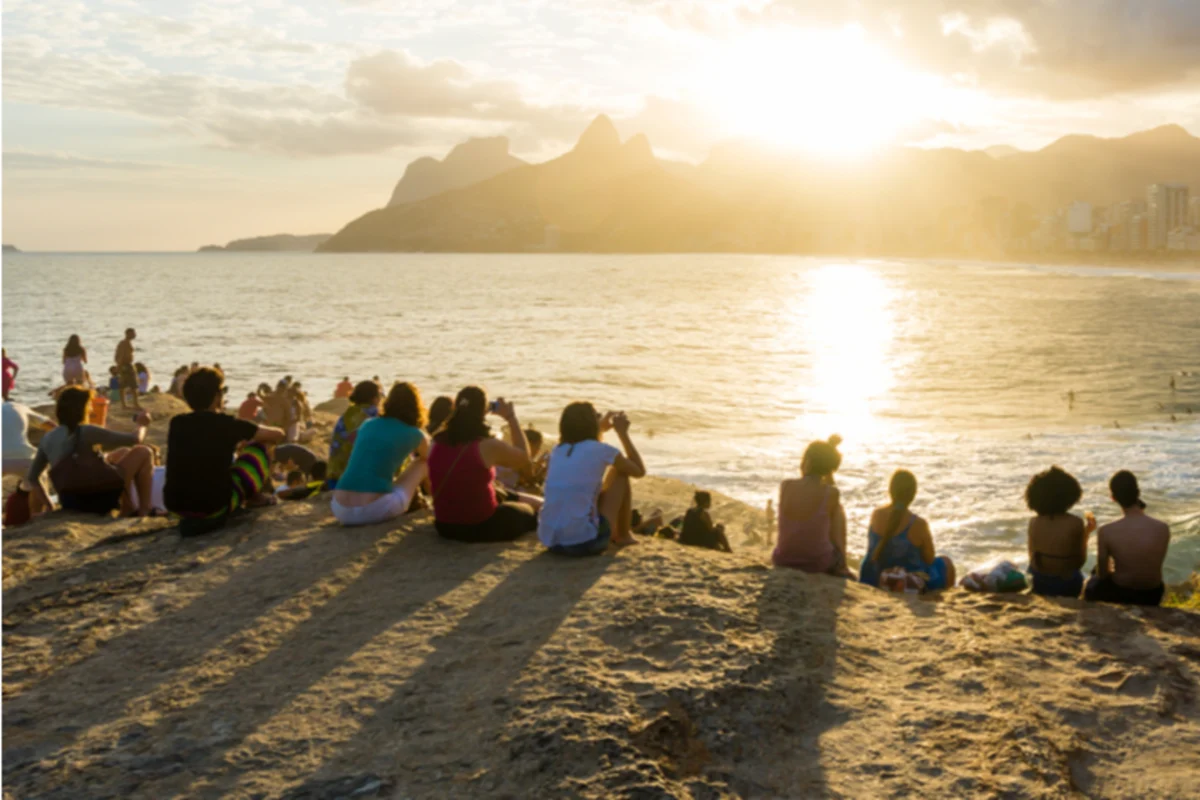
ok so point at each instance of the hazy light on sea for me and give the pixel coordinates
(843, 312)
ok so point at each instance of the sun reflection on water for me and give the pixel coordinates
(843, 315)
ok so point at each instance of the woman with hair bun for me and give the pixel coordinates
(812, 523)
(899, 538)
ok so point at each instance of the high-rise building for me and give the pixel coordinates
(1166, 209)
(1079, 218)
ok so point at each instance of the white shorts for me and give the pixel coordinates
(390, 506)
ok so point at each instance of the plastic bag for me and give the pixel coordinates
(997, 575)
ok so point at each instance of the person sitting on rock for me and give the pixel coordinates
(1058, 540)
(364, 405)
(899, 538)
(94, 490)
(1129, 552)
(205, 484)
(698, 529)
(812, 524)
(370, 491)
(462, 473)
(589, 495)
(344, 389)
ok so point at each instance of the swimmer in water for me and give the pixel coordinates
(1070, 399)
(1172, 384)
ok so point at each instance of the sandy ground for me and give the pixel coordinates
(287, 657)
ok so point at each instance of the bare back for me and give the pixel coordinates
(1057, 544)
(800, 499)
(1132, 550)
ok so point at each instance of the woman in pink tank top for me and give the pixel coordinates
(462, 474)
(812, 523)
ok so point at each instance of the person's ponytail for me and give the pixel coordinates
(903, 489)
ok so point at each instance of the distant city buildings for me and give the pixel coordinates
(1167, 220)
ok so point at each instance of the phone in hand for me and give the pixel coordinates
(494, 407)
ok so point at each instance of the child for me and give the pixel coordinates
(114, 382)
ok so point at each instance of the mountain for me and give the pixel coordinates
(1001, 151)
(472, 161)
(11, 248)
(603, 194)
(279, 243)
(609, 195)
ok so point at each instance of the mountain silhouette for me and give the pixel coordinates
(276, 243)
(609, 195)
(472, 161)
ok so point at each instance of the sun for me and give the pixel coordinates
(832, 93)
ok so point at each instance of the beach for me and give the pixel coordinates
(288, 657)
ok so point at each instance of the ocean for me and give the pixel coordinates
(728, 365)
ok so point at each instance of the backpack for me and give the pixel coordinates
(85, 472)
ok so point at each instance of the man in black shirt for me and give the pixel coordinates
(205, 484)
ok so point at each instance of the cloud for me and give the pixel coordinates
(1053, 48)
(1062, 49)
(17, 160)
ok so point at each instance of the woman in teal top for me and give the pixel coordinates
(369, 491)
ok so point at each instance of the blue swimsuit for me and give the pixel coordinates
(900, 552)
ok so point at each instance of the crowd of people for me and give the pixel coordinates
(390, 455)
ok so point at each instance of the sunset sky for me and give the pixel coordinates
(167, 125)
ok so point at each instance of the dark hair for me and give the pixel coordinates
(1052, 492)
(347, 378)
(251, 396)
(466, 421)
(140, 367)
(320, 469)
(578, 423)
(365, 393)
(822, 458)
(404, 403)
(1125, 490)
(703, 499)
(903, 490)
(295, 475)
(71, 407)
(74, 347)
(203, 387)
(129, 331)
(534, 437)
(439, 412)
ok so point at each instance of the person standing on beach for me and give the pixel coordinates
(74, 359)
(1129, 552)
(126, 374)
(10, 374)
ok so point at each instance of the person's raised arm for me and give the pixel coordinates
(265, 434)
(498, 453)
(630, 463)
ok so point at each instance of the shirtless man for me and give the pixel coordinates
(126, 374)
(1130, 551)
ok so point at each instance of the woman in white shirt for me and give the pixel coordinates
(589, 498)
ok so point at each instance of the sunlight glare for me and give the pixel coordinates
(846, 322)
(831, 93)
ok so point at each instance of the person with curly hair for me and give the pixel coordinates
(1058, 540)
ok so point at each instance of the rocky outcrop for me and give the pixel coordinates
(472, 161)
(278, 243)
